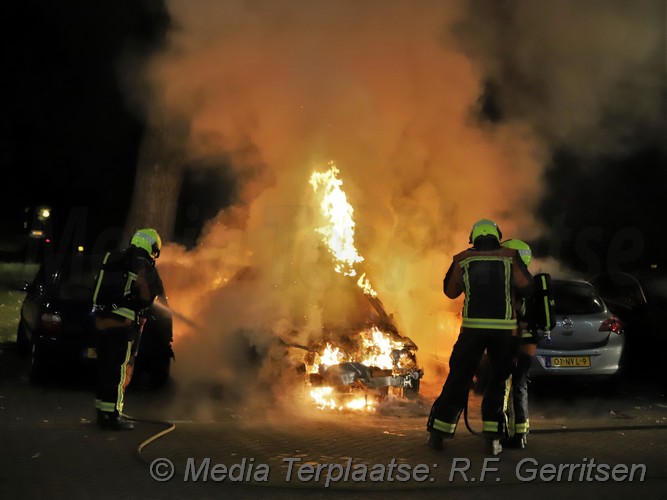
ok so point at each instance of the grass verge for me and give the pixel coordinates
(12, 274)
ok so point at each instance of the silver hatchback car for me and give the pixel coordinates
(588, 339)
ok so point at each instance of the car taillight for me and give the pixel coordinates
(612, 324)
(51, 323)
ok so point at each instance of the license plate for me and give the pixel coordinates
(91, 353)
(567, 361)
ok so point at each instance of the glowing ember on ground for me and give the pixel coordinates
(324, 400)
(322, 397)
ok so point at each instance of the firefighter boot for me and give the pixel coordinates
(112, 421)
(492, 444)
(435, 441)
(518, 441)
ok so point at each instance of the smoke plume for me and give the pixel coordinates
(393, 93)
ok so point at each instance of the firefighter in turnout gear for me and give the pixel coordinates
(526, 346)
(493, 280)
(535, 317)
(126, 285)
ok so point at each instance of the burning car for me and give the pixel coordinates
(358, 361)
(356, 366)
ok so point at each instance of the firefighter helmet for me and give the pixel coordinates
(484, 227)
(522, 247)
(149, 240)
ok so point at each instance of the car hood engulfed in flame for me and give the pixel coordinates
(355, 368)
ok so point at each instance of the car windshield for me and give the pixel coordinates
(576, 298)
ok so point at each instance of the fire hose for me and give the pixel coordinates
(169, 425)
(465, 419)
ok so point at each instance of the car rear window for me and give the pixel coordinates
(76, 280)
(576, 298)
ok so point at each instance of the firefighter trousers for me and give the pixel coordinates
(520, 393)
(466, 356)
(116, 352)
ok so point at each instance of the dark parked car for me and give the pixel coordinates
(56, 324)
(640, 300)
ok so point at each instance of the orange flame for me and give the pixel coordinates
(378, 347)
(338, 235)
(324, 400)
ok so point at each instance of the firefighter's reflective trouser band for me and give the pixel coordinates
(521, 428)
(115, 363)
(488, 426)
(445, 427)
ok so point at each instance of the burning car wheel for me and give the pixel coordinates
(412, 391)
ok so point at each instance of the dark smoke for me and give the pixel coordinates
(589, 78)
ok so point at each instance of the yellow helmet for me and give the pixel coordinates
(522, 247)
(149, 240)
(485, 227)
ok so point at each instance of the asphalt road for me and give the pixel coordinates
(605, 446)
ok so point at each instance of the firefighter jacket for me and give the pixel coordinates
(127, 284)
(494, 281)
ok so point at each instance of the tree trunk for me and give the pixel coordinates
(158, 181)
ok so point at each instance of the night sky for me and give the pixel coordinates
(69, 138)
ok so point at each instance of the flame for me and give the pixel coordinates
(365, 284)
(376, 350)
(322, 397)
(360, 403)
(378, 347)
(331, 356)
(338, 235)
(324, 400)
